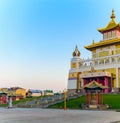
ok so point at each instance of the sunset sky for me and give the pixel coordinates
(37, 38)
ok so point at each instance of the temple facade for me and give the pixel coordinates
(103, 67)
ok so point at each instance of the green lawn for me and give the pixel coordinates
(71, 104)
(113, 100)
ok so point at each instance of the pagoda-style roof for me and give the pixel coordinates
(94, 84)
(103, 43)
(111, 25)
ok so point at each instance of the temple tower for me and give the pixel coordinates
(74, 81)
(104, 66)
(106, 53)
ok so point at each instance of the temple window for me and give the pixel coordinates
(72, 74)
(118, 59)
(95, 62)
(97, 54)
(118, 51)
(105, 36)
(94, 55)
(109, 35)
(73, 65)
(90, 63)
(113, 60)
(106, 61)
(101, 61)
(103, 54)
(79, 64)
(111, 52)
(85, 64)
(113, 33)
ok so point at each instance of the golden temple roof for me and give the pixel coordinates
(95, 84)
(102, 43)
(111, 25)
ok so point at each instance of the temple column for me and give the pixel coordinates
(97, 98)
(106, 83)
(84, 82)
(116, 61)
(117, 78)
(98, 80)
(100, 98)
(88, 98)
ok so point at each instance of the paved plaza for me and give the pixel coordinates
(21, 115)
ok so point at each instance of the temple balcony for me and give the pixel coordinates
(112, 61)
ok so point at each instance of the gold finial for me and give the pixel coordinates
(93, 41)
(76, 47)
(113, 15)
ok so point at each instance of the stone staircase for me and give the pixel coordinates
(45, 101)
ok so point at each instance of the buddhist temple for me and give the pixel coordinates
(103, 67)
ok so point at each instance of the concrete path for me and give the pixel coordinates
(22, 115)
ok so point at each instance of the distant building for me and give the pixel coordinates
(48, 92)
(3, 97)
(33, 93)
(103, 67)
(4, 89)
(18, 91)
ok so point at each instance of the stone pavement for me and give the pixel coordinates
(37, 115)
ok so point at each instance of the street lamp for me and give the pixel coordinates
(10, 102)
(9, 99)
(65, 96)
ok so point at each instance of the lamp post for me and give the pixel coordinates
(9, 99)
(65, 96)
(10, 102)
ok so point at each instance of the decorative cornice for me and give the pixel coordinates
(103, 43)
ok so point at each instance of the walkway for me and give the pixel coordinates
(18, 115)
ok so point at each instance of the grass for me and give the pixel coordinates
(71, 104)
(113, 100)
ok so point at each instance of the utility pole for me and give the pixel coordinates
(65, 96)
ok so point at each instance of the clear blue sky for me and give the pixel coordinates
(37, 38)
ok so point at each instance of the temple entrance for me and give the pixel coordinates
(103, 80)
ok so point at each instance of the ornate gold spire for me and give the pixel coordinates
(113, 15)
(76, 52)
(112, 24)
